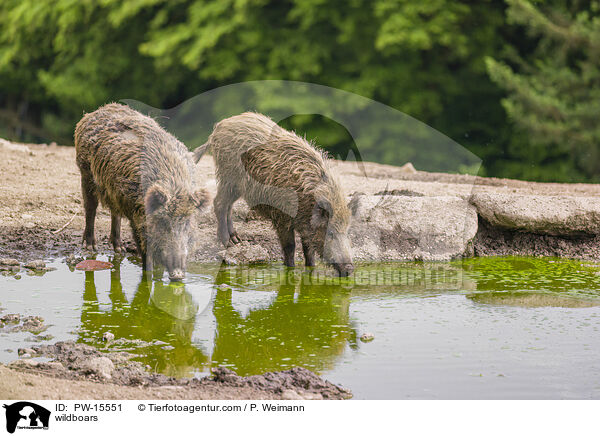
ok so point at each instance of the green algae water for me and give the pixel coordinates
(479, 328)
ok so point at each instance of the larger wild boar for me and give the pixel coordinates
(141, 172)
(285, 179)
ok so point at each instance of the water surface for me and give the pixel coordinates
(479, 328)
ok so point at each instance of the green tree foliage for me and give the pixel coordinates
(552, 80)
(63, 57)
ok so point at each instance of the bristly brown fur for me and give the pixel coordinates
(130, 163)
(285, 179)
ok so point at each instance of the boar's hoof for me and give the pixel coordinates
(89, 245)
(233, 240)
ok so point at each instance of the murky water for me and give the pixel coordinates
(480, 328)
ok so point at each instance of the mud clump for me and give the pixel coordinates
(299, 380)
(75, 361)
(14, 322)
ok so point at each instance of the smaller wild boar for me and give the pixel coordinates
(141, 172)
(286, 180)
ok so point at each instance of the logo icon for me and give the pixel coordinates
(26, 415)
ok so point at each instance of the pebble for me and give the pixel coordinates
(11, 318)
(35, 264)
(102, 366)
(367, 337)
(11, 262)
(108, 337)
(23, 351)
(290, 394)
(54, 365)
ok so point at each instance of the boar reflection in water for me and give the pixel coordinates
(309, 330)
(157, 311)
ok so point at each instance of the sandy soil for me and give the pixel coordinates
(15, 385)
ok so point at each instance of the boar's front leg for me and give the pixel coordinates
(285, 232)
(115, 233)
(90, 204)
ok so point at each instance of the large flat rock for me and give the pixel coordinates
(396, 227)
(558, 215)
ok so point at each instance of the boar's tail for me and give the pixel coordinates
(199, 152)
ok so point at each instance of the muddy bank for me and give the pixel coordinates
(399, 213)
(94, 374)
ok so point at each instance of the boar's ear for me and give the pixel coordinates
(200, 198)
(155, 198)
(320, 213)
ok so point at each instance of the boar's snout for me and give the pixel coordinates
(344, 269)
(338, 253)
(176, 275)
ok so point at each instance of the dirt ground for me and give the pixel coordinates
(15, 385)
(80, 371)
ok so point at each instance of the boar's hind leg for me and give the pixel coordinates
(233, 236)
(115, 233)
(223, 202)
(285, 232)
(90, 204)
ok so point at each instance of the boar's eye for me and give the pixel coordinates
(320, 214)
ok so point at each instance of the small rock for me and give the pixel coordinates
(73, 260)
(35, 264)
(93, 265)
(312, 396)
(54, 365)
(10, 262)
(367, 337)
(23, 351)
(33, 323)
(29, 225)
(11, 318)
(101, 366)
(223, 286)
(26, 216)
(108, 337)
(23, 363)
(40, 338)
(290, 394)
(26, 356)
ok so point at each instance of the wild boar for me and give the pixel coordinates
(286, 180)
(141, 172)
